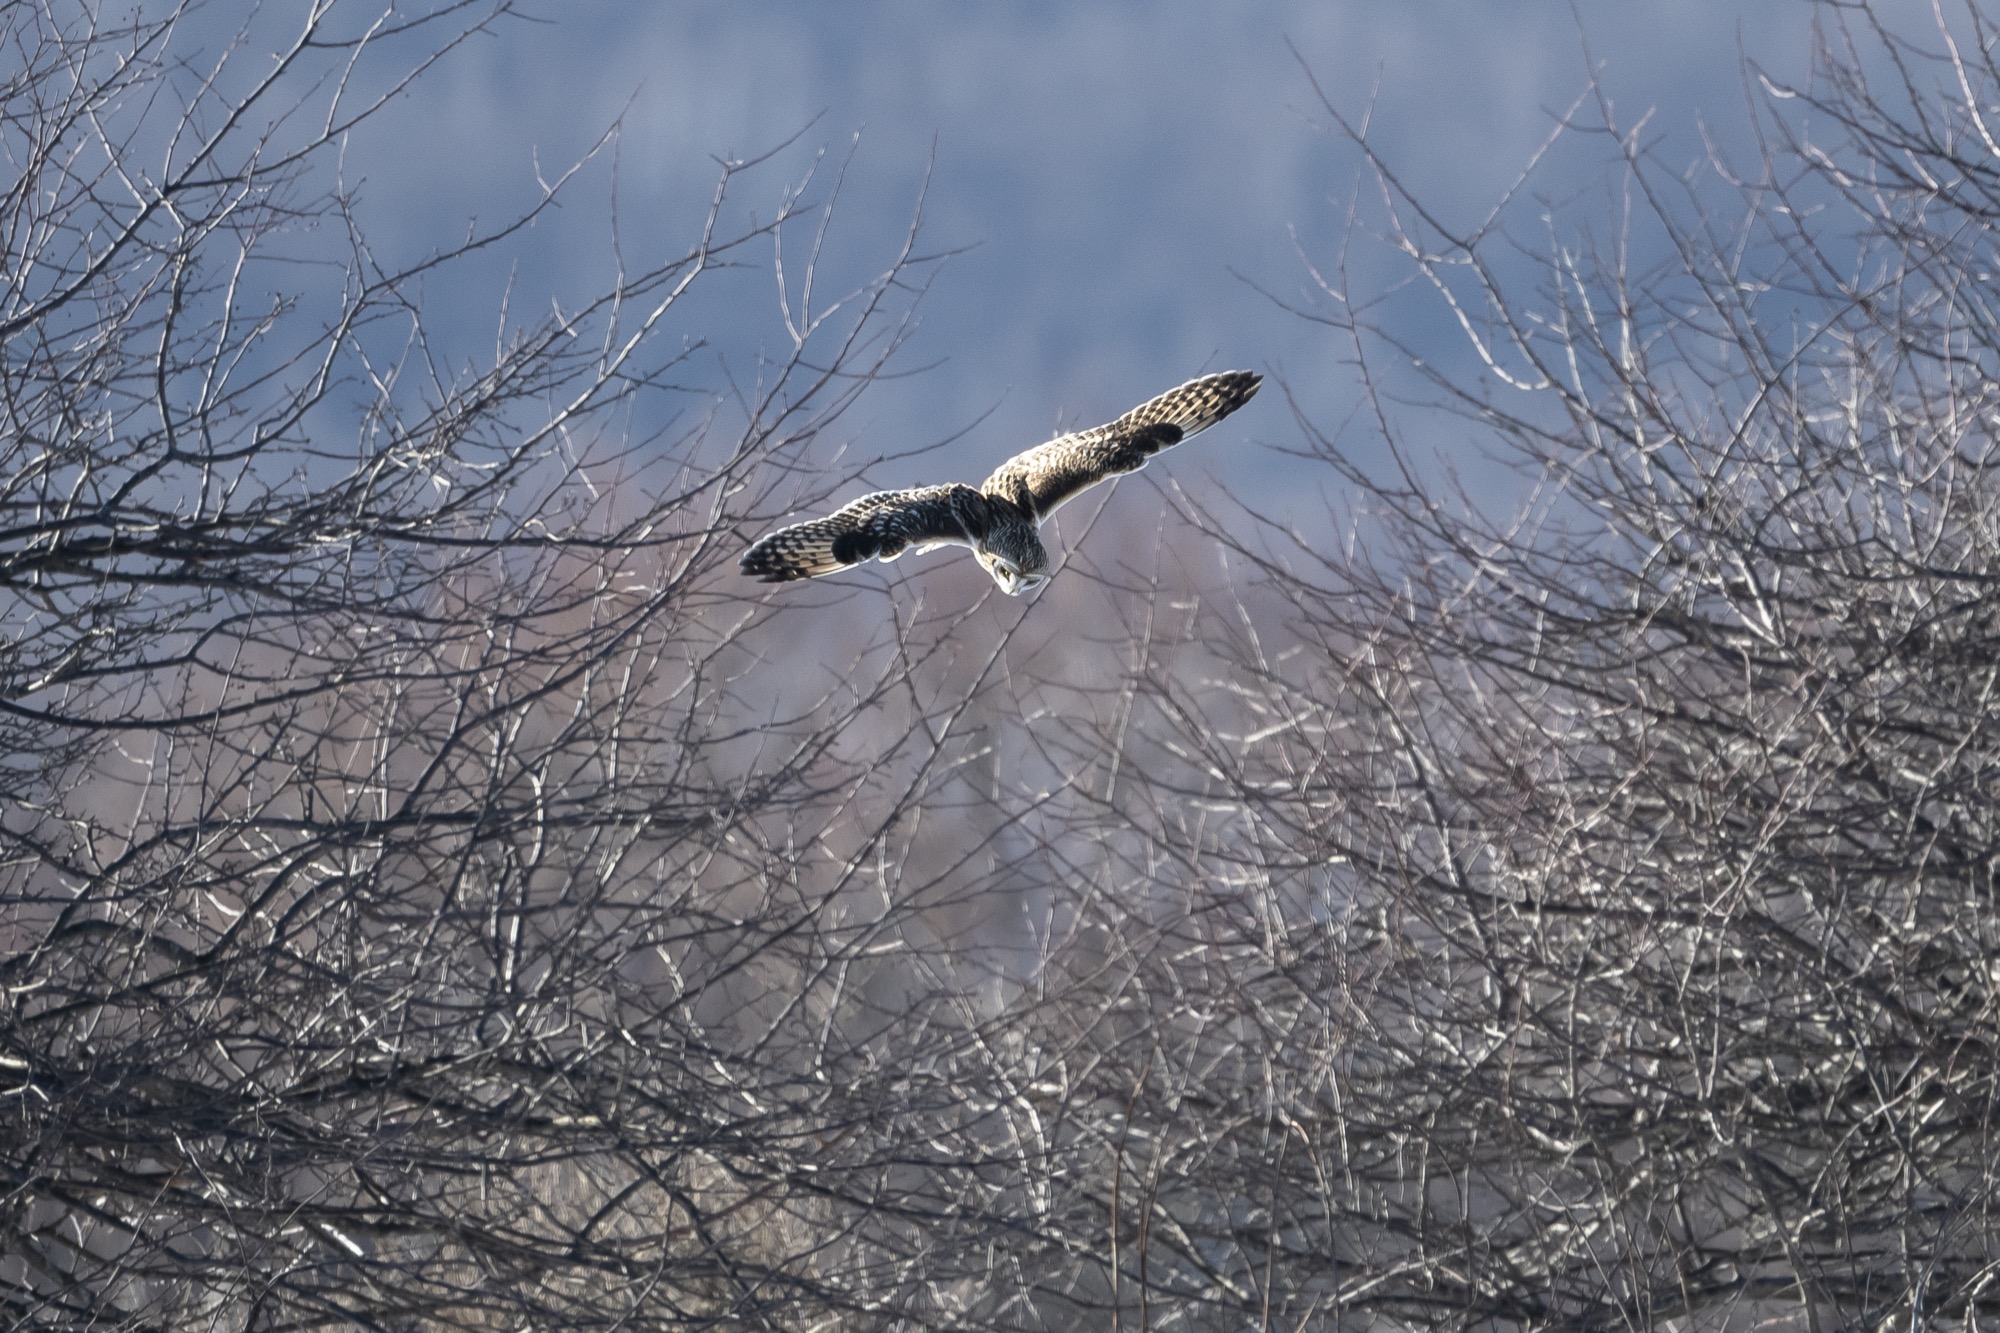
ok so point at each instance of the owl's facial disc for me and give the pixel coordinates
(1009, 576)
(1026, 583)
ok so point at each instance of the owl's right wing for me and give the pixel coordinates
(875, 527)
(1052, 473)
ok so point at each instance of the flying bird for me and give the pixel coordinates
(998, 519)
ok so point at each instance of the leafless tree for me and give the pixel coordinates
(420, 905)
(1582, 914)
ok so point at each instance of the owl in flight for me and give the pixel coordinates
(998, 519)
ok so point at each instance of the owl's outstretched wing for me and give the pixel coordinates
(1059, 470)
(875, 527)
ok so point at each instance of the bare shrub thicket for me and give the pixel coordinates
(1584, 917)
(419, 906)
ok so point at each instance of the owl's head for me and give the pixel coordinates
(1015, 558)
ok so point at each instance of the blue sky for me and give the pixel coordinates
(1113, 167)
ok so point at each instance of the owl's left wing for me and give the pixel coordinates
(875, 527)
(1053, 473)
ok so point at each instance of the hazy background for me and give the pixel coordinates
(1119, 175)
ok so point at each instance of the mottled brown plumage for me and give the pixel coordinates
(998, 520)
